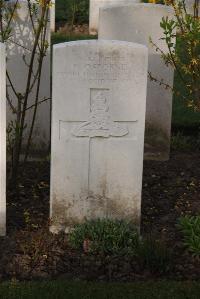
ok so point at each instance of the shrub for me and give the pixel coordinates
(105, 237)
(185, 56)
(25, 99)
(190, 228)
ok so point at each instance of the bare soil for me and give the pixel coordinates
(29, 251)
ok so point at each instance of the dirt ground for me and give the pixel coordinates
(29, 251)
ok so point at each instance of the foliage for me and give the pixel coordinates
(190, 228)
(154, 255)
(20, 100)
(183, 116)
(186, 28)
(72, 11)
(121, 238)
(105, 237)
(62, 289)
(154, 1)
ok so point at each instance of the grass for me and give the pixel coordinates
(57, 38)
(85, 290)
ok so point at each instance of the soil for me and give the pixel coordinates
(30, 251)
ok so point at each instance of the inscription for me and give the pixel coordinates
(100, 123)
(101, 67)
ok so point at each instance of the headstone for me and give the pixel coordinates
(19, 49)
(95, 5)
(99, 100)
(53, 15)
(3, 140)
(189, 4)
(137, 23)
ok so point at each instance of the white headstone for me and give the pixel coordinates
(2, 140)
(95, 5)
(99, 100)
(189, 4)
(53, 15)
(137, 23)
(19, 49)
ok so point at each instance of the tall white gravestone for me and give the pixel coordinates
(137, 23)
(95, 5)
(19, 49)
(99, 99)
(190, 6)
(2, 140)
(53, 16)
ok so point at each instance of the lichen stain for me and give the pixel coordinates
(89, 205)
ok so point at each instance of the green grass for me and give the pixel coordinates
(57, 38)
(85, 290)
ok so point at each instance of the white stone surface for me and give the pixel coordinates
(53, 16)
(2, 140)
(137, 23)
(20, 46)
(99, 100)
(190, 6)
(95, 5)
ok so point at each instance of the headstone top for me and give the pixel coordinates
(99, 43)
(94, 11)
(139, 6)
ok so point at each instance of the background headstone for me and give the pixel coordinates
(190, 6)
(98, 118)
(2, 140)
(19, 48)
(137, 23)
(94, 11)
(53, 16)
